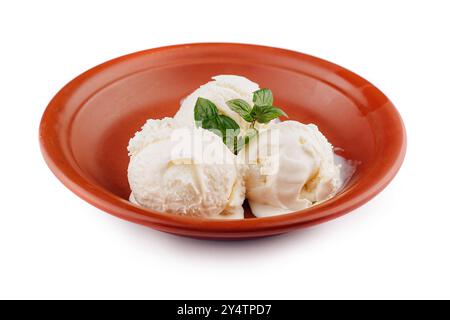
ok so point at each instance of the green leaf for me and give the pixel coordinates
(205, 111)
(264, 114)
(210, 123)
(242, 108)
(263, 97)
(229, 130)
(228, 123)
(207, 116)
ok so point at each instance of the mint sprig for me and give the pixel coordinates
(207, 116)
(263, 111)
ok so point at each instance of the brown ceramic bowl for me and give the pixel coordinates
(85, 129)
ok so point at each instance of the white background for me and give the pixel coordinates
(54, 245)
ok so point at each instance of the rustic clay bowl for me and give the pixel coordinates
(86, 127)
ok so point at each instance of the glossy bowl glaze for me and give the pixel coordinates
(85, 129)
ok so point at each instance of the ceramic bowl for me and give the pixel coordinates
(85, 129)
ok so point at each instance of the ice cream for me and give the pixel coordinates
(184, 170)
(219, 91)
(290, 167)
(280, 167)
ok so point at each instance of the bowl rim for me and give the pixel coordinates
(203, 227)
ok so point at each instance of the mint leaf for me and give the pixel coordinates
(205, 111)
(264, 114)
(207, 116)
(230, 131)
(228, 127)
(263, 97)
(242, 108)
(227, 123)
(210, 124)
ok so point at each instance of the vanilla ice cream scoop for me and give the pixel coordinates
(219, 91)
(184, 170)
(290, 167)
